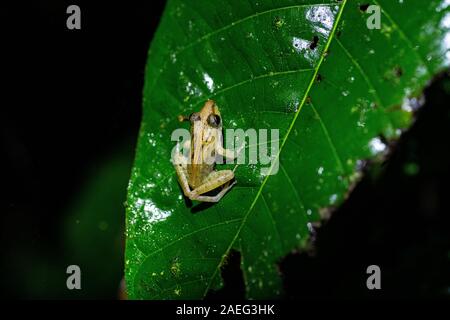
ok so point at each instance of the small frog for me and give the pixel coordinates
(198, 176)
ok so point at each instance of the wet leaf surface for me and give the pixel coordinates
(337, 92)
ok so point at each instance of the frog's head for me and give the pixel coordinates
(210, 115)
(211, 122)
(206, 125)
(206, 132)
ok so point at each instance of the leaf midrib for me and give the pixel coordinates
(246, 215)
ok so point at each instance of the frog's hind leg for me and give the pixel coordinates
(214, 180)
(218, 196)
(181, 171)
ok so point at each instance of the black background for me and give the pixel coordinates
(70, 96)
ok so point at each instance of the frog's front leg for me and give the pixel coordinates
(214, 180)
(229, 154)
(226, 153)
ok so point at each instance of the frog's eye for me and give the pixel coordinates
(194, 117)
(214, 120)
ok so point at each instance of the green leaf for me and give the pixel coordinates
(336, 103)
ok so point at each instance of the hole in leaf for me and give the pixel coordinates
(319, 78)
(233, 279)
(314, 43)
(398, 71)
(364, 7)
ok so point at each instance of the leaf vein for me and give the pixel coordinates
(297, 195)
(274, 225)
(252, 16)
(329, 140)
(263, 76)
(404, 36)
(191, 234)
(230, 25)
(372, 90)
